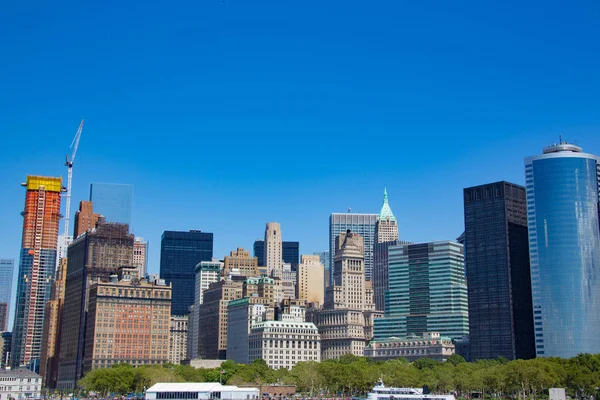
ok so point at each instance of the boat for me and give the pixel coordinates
(382, 392)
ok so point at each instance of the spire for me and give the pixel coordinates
(386, 212)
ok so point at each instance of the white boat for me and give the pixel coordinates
(382, 392)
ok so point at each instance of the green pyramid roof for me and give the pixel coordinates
(386, 212)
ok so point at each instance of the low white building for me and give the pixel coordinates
(283, 344)
(203, 390)
(19, 383)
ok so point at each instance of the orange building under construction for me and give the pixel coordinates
(41, 217)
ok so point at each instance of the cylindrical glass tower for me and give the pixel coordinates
(564, 248)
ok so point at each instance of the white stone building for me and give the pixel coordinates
(19, 383)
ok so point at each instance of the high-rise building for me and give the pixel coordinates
(346, 320)
(242, 314)
(180, 252)
(113, 200)
(37, 264)
(207, 273)
(273, 249)
(213, 318)
(127, 304)
(7, 267)
(6, 340)
(178, 339)
(310, 286)
(497, 262)
(93, 256)
(239, 262)
(52, 328)
(386, 235)
(264, 287)
(85, 218)
(386, 227)
(290, 252)
(363, 225)
(326, 261)
(427, 292)
(140, 255)
(564, 249)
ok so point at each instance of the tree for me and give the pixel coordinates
(456, 359)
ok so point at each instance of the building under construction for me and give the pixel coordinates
(93, 256)
(41, 217)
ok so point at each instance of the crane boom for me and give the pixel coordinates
(69, 165)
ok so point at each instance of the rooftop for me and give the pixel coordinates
(195, 387)
(386, 212)
(18, 372)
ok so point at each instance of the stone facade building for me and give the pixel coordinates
(239, 262)
(310, 285)
(346, 321)
(429, 345)
(178, 339)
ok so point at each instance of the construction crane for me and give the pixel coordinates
(69, 164)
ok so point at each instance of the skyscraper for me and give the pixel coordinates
(140, 256)
(346, 320)
(180, 252)
(497, 258)
(7, 267)
(37, 264)
(113, 200)
(427, 291)
(310, 278)
(273, 249)
(93, 256)
(363, 225)
(207, 272)
(386, 235)
(564, 249)
(290, 252)
(239, 262)
(85, 218)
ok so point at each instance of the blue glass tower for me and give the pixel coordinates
(564, 248)
(113, 200)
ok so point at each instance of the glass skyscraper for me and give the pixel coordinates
(6, 277)
(564, 248)
(499, 283)
(290, 252)
(364, 225)
(180, 252)
(113, 200)
(427, 291)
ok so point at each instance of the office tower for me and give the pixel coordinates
(564, 249)
(5, 348)
(310, 277)
(264, 287)
(113, 200)
(6, 277)
(140, 255)
(266, 341)
(85, 218)
(178, 339)
(386, 235)
(122, 305)
(180, 252)
(326, 261)
(363, 225)
(242, 314)
(290, 253)
(288, 281)
(52, 328)
(427, 292)
(499, 283)
(346, 321)
(213, 318)
(37, 264)
(93, 256)
(259, 252)
(207, 273)
(386, 227)
(239, 262)
(273, 249)
(62, 244)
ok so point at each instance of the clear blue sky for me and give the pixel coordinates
(229, 114)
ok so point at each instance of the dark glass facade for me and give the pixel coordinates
(259, 252)
(180, 252)
(564, 245)
(497, 264)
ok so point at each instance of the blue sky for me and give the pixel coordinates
(226, 115)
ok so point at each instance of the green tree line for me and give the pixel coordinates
(351, 375)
